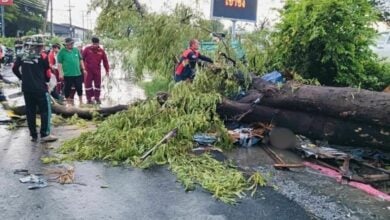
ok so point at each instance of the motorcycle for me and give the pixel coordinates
(8, 58)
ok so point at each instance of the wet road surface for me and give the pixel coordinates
(131, 193)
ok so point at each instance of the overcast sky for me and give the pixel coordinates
(61, 13)
(61, 10)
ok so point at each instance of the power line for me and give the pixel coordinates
(57, 9)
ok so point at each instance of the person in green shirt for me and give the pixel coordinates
(71, 69)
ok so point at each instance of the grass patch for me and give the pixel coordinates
(157, 84)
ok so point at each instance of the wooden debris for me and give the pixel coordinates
(376, 177)
(284, 165)
(63, 174)
(279, 162)
(168, 136)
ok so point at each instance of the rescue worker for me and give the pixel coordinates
(54, 69)
(71, 67)
(93, 56)
(35, 74)
(185, 70)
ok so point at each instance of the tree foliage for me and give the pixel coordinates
(24, 16)
(329, 40)
(151, 41)
(257, 48)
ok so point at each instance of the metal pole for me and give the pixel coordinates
(82, 14)
(234, 30)
(51, 19)
(70, 20)
(46, 16)
(2, 22)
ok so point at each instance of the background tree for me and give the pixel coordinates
(24, 16)
(329, 40)
(154, 39)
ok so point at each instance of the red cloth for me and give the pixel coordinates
(52, 59)
(93, 56)
(52, 63)
(93, 90)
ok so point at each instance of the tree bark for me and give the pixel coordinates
(345, 103)
(315, 126)
(85, 113)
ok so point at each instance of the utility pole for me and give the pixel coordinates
(46, 17)
(234, 30)
(2, 22)
(82, 14)
(70, 21)
(51, 19)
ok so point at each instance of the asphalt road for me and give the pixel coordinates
(131, 193)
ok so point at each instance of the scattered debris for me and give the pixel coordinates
(274, 77)
(32, 178)
(21, 171)
(63, 174)
(354, 168)
(168, 136)
(204, 139)
(41, 184)
(248, 137)
(279, 162)
(38, 181)
(336, 175)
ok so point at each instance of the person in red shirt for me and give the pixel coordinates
(185, 70)
(93, 56)
(53, 66)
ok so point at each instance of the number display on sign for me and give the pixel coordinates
(236, 3)
(245, 10)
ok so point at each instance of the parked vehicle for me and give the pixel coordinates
(382, 45)
(8, 57)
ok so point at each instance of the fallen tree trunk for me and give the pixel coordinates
(85, 113)
(344, 103)
(335, 131)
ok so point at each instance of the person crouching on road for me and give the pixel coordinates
(185, 70)
(93, 56)
(71, 67)
(35, 74)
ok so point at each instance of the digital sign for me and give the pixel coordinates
(234, 9)
(6, 2)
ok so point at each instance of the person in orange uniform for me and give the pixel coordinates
(93, 56)
(185, 70)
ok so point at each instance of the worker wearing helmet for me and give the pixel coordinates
(32, 67)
